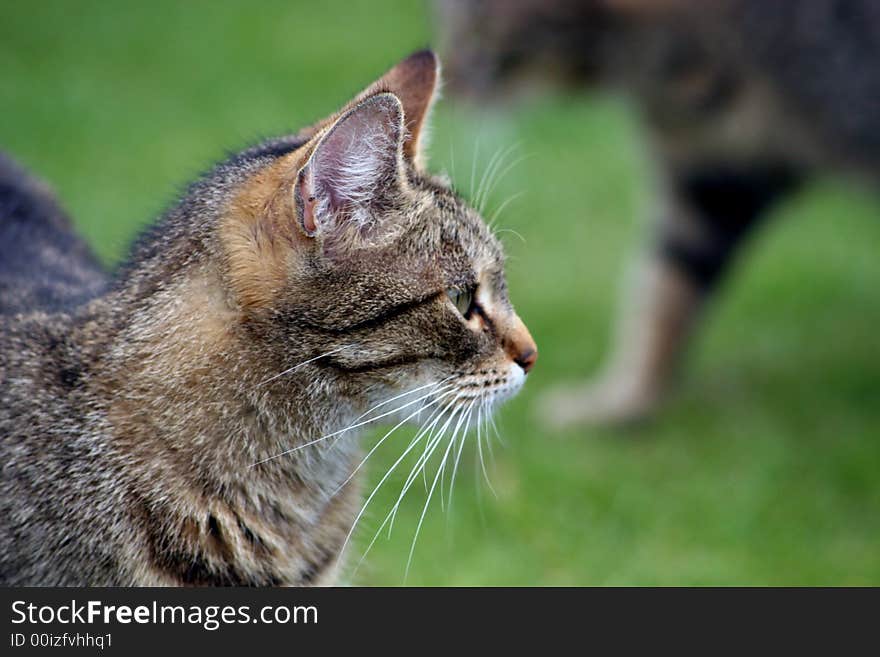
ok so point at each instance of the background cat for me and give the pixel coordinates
(742, 101)
(196, 422)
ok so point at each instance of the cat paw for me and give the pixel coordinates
(603, 403)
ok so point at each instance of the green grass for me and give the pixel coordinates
(764, 467)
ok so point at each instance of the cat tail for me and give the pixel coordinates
(44, 265)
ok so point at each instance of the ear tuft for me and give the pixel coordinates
(354, 163)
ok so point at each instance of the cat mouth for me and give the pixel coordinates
(483, 389)
(494, 385)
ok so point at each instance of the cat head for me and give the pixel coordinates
(344, 252)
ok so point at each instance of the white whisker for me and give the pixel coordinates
(477, 199)
(500, 176)
(474, 165)
(382, 440)
(495, 430)
(455, 432)
(348, 428)
(425, 510)
(452, 160)
(421, 463)
(290, 370)
(480, 420)
(491, 177)
(467, 425)
(390, 516)
(373, 494)
(403, 394)
(501, 208)
(512, 231)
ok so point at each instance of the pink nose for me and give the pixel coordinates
(519, 345)
(526, 359)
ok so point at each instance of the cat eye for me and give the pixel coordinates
(463, 300)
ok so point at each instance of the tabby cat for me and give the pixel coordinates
(741, 101)
(169, 426)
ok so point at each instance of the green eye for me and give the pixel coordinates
(463, 300)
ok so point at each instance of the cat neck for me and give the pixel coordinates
(184, 381)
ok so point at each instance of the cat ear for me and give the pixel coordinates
(414, 81)
(352, 166)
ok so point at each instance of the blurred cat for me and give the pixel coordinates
(741, 99)
(169, 425)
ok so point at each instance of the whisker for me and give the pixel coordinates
(488, 424)
(348, 428)
(480, 420)
(474, 164)
(512, 231)
(452, 160)
(421, 463)
(503, 174)
(373, 494)
(464, 433)
(495, 179)
(391, 514)
(382, 440)
(425, 510)
(428, 426)
(501, 208)
(403, 394)
(478, 492)
(455, 432)
(433, 392)
(495, 429)
(290, 370)
(491, 177)
(477, 199)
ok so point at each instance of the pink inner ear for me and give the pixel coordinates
(352, 164)
(309, 202)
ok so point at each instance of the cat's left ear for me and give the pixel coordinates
(353, 167)
(414, 81)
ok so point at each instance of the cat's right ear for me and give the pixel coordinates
(351, 168)
(414, 81)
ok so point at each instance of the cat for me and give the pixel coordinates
(741, 101)
(165, 426)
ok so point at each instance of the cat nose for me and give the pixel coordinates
(519, 345)
(526, 359)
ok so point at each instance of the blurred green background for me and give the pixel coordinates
(764, 467)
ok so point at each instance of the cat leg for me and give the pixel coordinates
(711, 212)
(657, 315)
